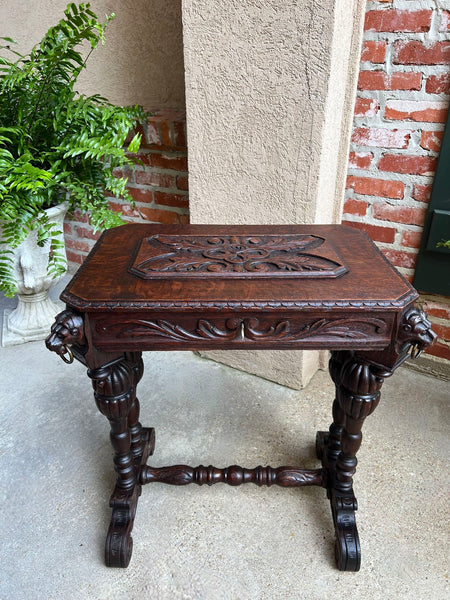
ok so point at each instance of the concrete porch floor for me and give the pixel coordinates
(216, 543)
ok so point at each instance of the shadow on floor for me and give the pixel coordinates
(219, 542)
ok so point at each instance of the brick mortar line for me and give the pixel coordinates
(80, 253)
(440, 96)
(372, 221)
(162, 207)
(435, 297)
(380, 119)
(427, 70)
(143, 221)
(161, 171)
(420, 94)
(396, 3)
(373, 200)
(407, 3)
(440, 321)
(152, 205)
(176, 209)
(413, 144)
(378, 153)
(427, 38)
(376, 200)
(153, 188)
(381, 200)
(412, 95)
(388, 246)
(419, 151)
(161, 149)
(399, 126)
(399, 227)
(164, 170)
(389, 4)
(433, 100)
(412, 152)
(443, 341)
(171, 151)
(392, 176)
(75, 238)
(383, 96)
(406, 227)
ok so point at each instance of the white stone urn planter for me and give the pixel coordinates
(35, 312)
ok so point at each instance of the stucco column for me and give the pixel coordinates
(270, 89)
(141, 61)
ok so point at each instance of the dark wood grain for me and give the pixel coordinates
(254, 331)
(236, 256)
(234, 475)
(153, 287)
(105, 282)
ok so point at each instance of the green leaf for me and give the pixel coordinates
(135, 143)
(54, 141)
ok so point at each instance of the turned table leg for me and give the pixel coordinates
(142, 438)
(329, 442)
(115, 395)
(358, 385)
(358, 377)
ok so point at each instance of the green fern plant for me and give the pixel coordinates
(57, 144)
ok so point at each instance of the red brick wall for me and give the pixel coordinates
(403, 95)
(400, 112)
(159, 187)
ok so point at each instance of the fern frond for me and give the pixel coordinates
(55, 142)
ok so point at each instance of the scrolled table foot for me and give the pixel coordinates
(119, 543)
(347, 547)
(118, 550)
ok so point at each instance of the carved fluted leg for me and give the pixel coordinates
(358, 396)
(330, 441)
(358, 385)
(115, 395)
(141, 437)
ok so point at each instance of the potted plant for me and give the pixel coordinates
(58, 151)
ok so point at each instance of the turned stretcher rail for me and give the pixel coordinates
(233, 475)
(211, 287)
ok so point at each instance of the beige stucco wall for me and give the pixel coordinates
(142, 59)
(267, 88)
(270, 88)
(339, 106)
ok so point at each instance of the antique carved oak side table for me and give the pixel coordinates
(199, 287)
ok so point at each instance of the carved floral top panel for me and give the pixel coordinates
(296, 255)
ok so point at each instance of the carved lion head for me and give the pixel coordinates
(416, 330)
(65, 331)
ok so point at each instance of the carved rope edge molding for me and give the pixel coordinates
(82, 304)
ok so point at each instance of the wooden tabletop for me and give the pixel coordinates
(262, 266)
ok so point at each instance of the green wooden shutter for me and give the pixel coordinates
(433, 266)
